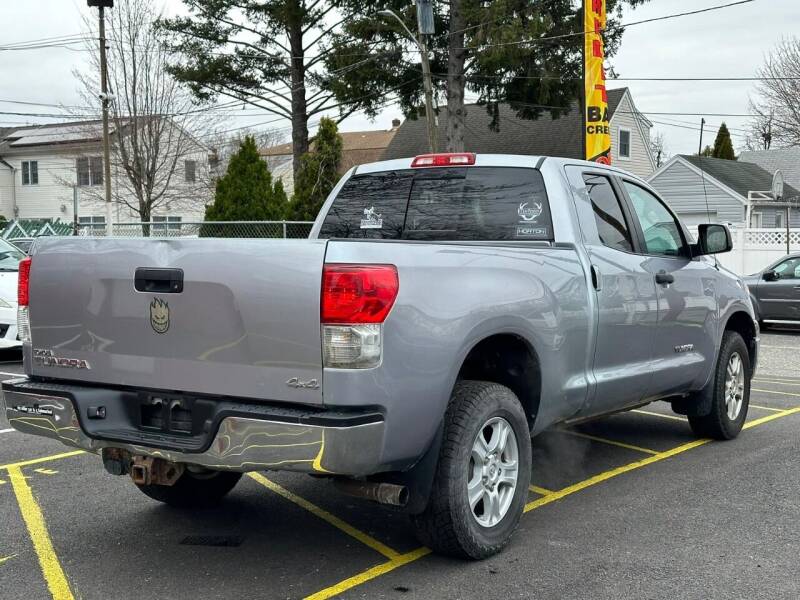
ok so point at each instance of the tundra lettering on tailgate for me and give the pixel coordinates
(47, 358)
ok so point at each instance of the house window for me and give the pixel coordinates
(779, 222)
(624, 143)
(30, 172)
(755, 220)
(90, 171)
(92, 225)
(166, 225)
(190, 170)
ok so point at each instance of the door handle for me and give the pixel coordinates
(664, 278)
(158, 281)
(596, 281)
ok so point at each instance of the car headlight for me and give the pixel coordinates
(4, 304)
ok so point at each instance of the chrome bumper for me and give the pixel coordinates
(240, 444)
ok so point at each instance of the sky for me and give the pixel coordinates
(727, 43)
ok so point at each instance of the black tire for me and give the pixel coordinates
(448, 525)
(717, 424)
(201, 490)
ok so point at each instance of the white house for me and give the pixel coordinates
(702, 190)
(46, 169)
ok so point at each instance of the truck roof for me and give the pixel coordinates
(488, 160)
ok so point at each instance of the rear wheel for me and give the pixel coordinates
(483, 473)
(730, 394)
(194, 489)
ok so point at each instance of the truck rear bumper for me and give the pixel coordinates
(237, 436)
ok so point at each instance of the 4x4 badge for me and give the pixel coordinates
(159, 315)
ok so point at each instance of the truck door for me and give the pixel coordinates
(625, 293)
(684, 342)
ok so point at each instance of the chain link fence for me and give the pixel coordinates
(211, 229)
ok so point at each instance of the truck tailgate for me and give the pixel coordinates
(246, 323)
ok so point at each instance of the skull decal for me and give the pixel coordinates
(159, 315)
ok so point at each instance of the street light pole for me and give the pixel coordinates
(105, 99)
(421, 43)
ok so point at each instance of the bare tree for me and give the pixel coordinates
(778, 105)
(658, 148)
(159, 160)
(759, 136)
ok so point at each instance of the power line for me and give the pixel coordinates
(620, 26)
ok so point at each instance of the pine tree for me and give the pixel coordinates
(723, 147)
(245, 193)
(318, 174)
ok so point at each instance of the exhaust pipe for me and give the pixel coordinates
(382, 493)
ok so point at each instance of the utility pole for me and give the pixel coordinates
(430, 115)
(426, 27)
(75, 210)
(105, 99)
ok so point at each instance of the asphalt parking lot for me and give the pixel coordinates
(632, 506)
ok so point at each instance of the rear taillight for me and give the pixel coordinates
(23, 299)
(23, 282)
(354, 304)
(444, 160)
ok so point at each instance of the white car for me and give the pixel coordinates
(9, 271)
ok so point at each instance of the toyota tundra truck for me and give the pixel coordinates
(444, 310)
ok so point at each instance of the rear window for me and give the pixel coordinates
(448, 204)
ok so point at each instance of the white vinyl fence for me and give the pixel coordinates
(755, 249)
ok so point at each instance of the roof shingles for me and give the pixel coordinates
(545, 136)
(741, 177)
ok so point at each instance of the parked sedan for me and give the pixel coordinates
(9, 271)
(24, 244)
(775, 292)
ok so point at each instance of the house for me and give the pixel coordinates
(545, 136)
(358, 148)
(47, 171)
(785, 160)
(702, 190)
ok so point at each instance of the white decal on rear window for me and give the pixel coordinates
(371, 220)
(529, 211)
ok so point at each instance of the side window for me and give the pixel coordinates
(608, 215)
(789, 269)
(662, 234)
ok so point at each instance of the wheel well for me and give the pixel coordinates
(509, 360)
(742, 323)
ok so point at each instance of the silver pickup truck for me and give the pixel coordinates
(445, 309)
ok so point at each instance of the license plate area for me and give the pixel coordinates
(175, 414)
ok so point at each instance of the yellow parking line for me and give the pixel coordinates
(548, 496)
(381, 569)
(36, 461)
(32, 515)
(540, 490)
(323, 514)
(558, 495)
(772, 417)
(605, 441)
(776, 392)
(760, 407)
(655, 414)
(582, 485)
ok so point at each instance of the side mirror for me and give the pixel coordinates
(713, 239)
(770, 276)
